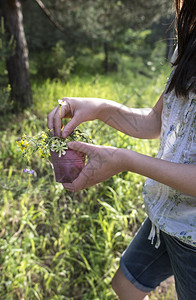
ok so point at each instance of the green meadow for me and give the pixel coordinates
(56, 245)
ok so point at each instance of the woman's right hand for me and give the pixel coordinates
(78, 109)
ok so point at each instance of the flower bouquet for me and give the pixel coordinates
(67, 163)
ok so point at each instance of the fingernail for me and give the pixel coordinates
(68, 187)
(69, 144)
(64, 135)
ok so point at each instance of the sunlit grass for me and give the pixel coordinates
(59, 245)
(131, 89)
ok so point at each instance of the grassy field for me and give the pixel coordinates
(59, 245)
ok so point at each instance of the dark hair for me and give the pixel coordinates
(185, 63)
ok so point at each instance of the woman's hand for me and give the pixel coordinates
(78, 109)
(103, 163)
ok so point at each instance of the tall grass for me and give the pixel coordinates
(126, 87)
(59, 245)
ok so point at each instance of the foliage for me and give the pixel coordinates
(105, 20)
(44, 142)
(55, 244)
(86, 21)
(5, 103)
(54, 64)
(105, 23)
(96, 25)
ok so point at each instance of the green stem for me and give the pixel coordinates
(29, 180)
(60, 123)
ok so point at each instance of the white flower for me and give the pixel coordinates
(61, 102)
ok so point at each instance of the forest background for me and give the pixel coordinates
(55, 244)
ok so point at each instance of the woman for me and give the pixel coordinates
(170, 190)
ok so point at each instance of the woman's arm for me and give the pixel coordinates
(140, 123)
(104, 162)
(181, 177)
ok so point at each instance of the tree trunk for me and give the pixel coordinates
(18, 64)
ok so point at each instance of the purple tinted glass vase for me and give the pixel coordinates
(68, 166)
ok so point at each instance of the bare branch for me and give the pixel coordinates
(49, 16)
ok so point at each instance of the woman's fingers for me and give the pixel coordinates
(70, 127)
(89, 176)
(78, 109)
(100, 165)
(51, 117)
(68, 186)
(85, 177)
(57, 122)
(88, 149)
(81, 182)
(55, 116)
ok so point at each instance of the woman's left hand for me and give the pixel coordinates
(103, 163)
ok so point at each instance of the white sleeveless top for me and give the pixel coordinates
(170, 210)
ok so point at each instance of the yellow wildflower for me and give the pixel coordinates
(24, 143)
(43, 135)
(41, 153)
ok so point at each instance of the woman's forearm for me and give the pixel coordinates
(181, 177)
(139, 123)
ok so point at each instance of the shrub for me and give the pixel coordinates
(55, 64)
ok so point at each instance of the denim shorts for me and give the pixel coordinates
(146, 266)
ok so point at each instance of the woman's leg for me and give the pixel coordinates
(125, 289)
(142, 266)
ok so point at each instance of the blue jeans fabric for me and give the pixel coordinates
(146, 267)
